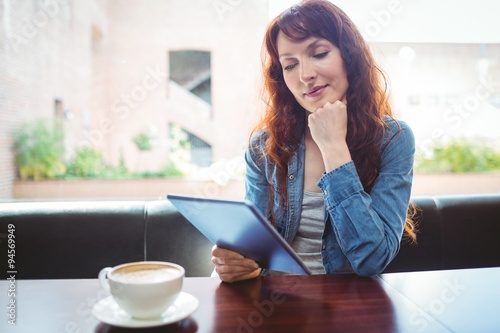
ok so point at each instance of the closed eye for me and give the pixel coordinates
(320, 55)
(290, 67)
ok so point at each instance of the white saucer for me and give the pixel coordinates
(107, 311)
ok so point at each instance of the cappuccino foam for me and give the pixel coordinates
(145, 275)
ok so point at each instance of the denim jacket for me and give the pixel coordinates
(362, 231)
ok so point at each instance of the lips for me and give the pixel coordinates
(315, 91)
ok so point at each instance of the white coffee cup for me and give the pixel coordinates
(144, 289)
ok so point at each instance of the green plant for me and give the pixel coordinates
(172, 170)
(118, 172)
(169, 170)
(458, 156)
(113, 172)
(87, 163)
(143, 141)
(39, 150)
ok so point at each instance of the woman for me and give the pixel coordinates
(328, 165)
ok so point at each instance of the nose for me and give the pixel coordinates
(307, 71)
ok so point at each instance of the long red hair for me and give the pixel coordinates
(285, 120)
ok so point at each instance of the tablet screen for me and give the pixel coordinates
(239, 226)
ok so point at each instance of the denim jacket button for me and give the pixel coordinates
(325, 192)
(323, 247)
(291, 177)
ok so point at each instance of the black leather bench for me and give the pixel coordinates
(72, 239)
(75, 239)
(170, 237)
(460, 231)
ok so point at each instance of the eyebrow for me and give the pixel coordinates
(309, 47)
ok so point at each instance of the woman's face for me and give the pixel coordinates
(313, 70)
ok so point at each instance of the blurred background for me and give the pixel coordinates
(130, 99)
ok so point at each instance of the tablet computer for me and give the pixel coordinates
(239, 226)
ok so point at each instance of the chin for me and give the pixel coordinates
(314, 107)
(309, 108)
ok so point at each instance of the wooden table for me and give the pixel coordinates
(436, 301)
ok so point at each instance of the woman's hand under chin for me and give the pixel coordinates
(328, 126)
(232, 266)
